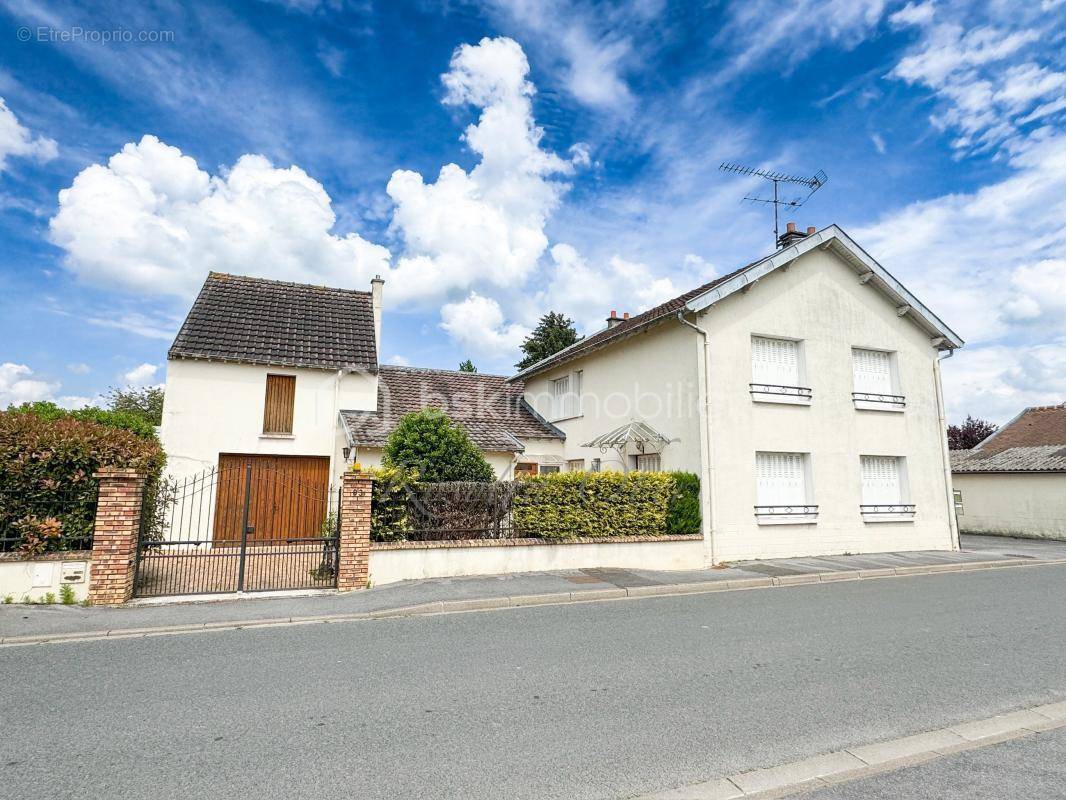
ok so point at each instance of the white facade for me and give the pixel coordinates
(1031, 505)
(214, 407)
(835, 344)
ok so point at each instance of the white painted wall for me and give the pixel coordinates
(211, 408)
(820, 300)
(1030, 505)
(389, 566)
(651, 376)
(35, 579)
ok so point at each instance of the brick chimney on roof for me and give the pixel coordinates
(614, 320)
(791, 235)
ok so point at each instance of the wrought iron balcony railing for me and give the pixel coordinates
(785, 510)
(773, 388)
(874, 397)
(887, 508)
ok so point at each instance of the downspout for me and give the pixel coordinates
(945, 455)
(703, 388)
(336, 421)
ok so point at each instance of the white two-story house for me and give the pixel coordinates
(803, 389)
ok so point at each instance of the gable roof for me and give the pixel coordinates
(248, 320)
(708, 294)
(492, 410)
(1034, 441)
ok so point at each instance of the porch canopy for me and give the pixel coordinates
(637, 435)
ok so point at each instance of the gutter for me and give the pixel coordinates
(945, 456)
(707, 476)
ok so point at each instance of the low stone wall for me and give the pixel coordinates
(400, 561)
(33, 579)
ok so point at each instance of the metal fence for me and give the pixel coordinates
(52, 520)
(460, 510)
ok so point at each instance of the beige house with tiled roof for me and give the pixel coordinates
(1014, 482)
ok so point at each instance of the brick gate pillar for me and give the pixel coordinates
(118, 520)
(353, 562)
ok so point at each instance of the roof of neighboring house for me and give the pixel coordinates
(492, 410)
(258, 321)
(706, 295)
(1034, 441)
(1041, 458)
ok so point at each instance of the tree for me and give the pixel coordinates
(439, 449)
(552, 334)
(969, 434)
(146, 403)
(467, 366)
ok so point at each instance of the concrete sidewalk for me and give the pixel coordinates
(21, 624)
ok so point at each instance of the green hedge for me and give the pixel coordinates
(123, 420)
(683, 512)
(594, 504)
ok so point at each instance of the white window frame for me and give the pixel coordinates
(575, 465)
(891, 400)
(647, 457)
(875, 509)
(798, 511)
(567, 404)
(762, 391)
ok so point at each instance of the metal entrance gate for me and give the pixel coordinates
(249, 525)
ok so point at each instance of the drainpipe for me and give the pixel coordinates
(945, 456)
(707, 505)
(336, 421)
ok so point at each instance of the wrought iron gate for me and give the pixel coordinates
(240, 528)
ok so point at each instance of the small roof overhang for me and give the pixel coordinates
(635, 432)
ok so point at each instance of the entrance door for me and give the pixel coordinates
(288, 500)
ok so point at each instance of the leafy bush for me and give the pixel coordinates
(593, 504)
(389, 521)
(439, 449)
(46, 469)
(130, 421)
(683, 511)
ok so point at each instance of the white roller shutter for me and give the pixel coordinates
(560, 391)
(873, 371)
(781, 479)
(880, 481)
(775, 361)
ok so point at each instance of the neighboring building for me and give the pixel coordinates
(1014, 482)
(804, 389)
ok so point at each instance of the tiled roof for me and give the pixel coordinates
(626, 327)
(1041, 458)
(259, 321)
(1036, 426)
(491, 409)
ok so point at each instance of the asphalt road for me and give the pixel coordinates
(1033, 767)
(601, 700)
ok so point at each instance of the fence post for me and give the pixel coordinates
(118, 520)
(353, 561)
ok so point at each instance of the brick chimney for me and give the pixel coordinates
(614, 320)
(791, 235)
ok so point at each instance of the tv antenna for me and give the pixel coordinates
(811, 184)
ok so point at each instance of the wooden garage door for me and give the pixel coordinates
(288, 498)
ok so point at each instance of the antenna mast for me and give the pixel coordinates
(812, 184)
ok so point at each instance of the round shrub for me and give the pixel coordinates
(437, 448)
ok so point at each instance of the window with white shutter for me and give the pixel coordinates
(649, 462)
(876, 385)
(566, 396)
(777, 374)
(782, 492)
(884, 490)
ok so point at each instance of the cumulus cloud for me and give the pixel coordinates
(141, 375)
(18, 385)
(997, 382)
(17, 140)
(151, 221)
(485, 226)
(478, 323)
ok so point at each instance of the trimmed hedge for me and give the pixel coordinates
(46, 469)
(124, 420)
(570, 505)
(683, 512)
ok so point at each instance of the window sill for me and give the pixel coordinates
(771, 393)
(276, 436)
(786, 519)
(875, 402)
(889, 513)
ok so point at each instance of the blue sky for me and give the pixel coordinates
(497, 160)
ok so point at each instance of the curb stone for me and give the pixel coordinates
(518, 601)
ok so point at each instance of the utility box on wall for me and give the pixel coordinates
(73, 572)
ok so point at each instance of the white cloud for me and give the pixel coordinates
(141, 375)
(879, 143)
(79, 368)
(478, 323)
(913, 14)
(399, 361)
(16, 140)
(486, 225)
(996, 383)
(18, 385)
(151, 221)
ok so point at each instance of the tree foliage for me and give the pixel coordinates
(130, 421)
(553, 333)
(440, 450)
(146, 402)
(467, 366)
(970, 433)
